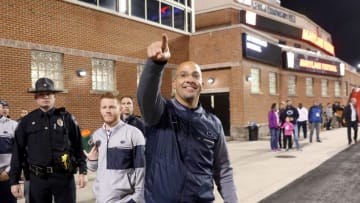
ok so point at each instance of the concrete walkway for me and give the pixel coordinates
(259, 172)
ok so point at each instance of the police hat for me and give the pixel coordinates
(44, 85)
(4, 103)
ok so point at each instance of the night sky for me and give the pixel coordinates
(340, 18)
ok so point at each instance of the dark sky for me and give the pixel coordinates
(340, 18)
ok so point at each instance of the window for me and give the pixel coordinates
(176, 14)
(324, 87)
(309, 86)
(90, 1)
(103, 75)
(139, 70)
(138, 8)
(255, 82)
(272, 83)
(153, 11)
(337, 89)
(109, 4)
(179, 18)
(47, 64)
(346, 89)
(123, 6)
(291, 85)
(166, 14)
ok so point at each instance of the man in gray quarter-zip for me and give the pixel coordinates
(117, 157)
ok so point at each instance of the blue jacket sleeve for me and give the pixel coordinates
(150, 101)
(223, 172)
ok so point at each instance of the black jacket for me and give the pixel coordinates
(291, 112)
(136, 122)
(347, 114)
(42, 137)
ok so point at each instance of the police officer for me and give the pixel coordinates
(7, 130)
(49, 140)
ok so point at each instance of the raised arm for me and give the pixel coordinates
(151, 103)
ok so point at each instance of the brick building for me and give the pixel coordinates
(252, 53)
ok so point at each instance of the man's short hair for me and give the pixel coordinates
(127, 96)
(109, 95)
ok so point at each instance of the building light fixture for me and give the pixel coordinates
(210, 80)
(81, 73)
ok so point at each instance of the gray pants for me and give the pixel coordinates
(315, 126)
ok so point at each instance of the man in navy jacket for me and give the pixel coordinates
(185, 145)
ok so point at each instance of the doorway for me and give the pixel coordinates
(218, 104)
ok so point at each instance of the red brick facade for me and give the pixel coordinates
(82, 33)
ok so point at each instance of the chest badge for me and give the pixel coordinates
(60, 122)
(33, 123)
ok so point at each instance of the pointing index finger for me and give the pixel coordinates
(164, 45)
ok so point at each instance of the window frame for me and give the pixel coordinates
(95, 75)
(46, 63)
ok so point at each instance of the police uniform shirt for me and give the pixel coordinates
(43, 134)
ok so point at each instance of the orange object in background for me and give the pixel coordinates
(85, 132)
(86, 140)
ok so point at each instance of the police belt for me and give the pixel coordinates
(45, 170)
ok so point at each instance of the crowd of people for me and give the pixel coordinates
(176, 153)
(286, 122)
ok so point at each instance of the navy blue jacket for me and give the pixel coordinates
(185, 148)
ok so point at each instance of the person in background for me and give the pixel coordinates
(350, 116)
(288, 127)
(329, 116)
(274, 124)
(6, 110)
(282, 120)
(7, 131)
(118, 157)
(302, 120)
(293, 114)
(338, 112)
(127, 113)
(315, 120)
(186, 149)
(48, 139)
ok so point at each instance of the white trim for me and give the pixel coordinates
(141, 20)
(217, 90)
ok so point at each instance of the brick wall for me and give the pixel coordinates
(80, 34)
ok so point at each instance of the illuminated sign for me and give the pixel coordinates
(246, 2)
(260, 50)
(273, 11)
(314, 39)
(250, 18)
(313, 64)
